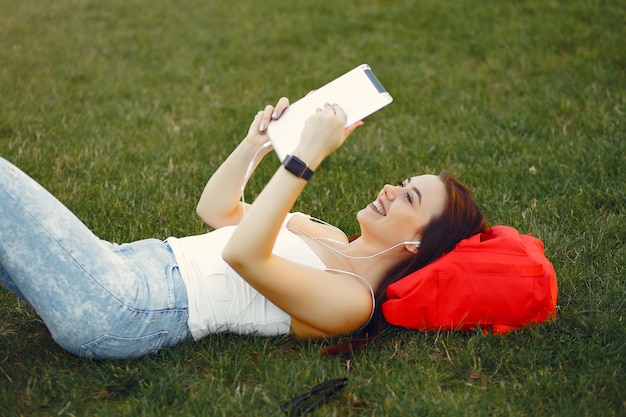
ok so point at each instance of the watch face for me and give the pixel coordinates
(297, 167)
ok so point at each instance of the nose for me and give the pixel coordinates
(389, 191)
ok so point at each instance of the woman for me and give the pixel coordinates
(268, 271)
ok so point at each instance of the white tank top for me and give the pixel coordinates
(219, 299)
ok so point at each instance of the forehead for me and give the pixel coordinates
(432, 189)
(428, 181)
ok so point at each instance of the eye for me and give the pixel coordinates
(408, 194)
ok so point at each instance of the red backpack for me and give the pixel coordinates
(498, 280)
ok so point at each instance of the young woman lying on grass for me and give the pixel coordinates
(263, 270)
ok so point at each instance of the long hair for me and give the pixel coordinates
(460, 219)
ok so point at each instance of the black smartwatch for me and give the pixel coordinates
(298, 168)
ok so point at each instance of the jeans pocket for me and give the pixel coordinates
(115, 347)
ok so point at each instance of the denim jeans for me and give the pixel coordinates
(98, 299)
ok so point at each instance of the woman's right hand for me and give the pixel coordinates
(325, 131)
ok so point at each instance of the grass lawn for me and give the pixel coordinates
(123, 108)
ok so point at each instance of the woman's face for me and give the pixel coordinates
(400, 212)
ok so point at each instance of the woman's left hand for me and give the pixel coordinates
(257, 133)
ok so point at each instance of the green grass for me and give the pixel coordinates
(124, 108)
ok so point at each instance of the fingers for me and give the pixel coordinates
(272, 113)
(282, 104)
(333, 110)
(339, 112)
(266, 116)
(336, 110)
(352, 128)
(256, 123)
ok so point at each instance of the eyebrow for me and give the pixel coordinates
(417, 192)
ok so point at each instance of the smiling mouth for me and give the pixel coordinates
(377, 207)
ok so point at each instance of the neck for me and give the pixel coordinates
(371, 262)
(368, 259)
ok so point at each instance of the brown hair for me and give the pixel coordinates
(460, 219)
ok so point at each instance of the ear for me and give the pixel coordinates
(411, 248)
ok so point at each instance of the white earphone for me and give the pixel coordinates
(416, 243)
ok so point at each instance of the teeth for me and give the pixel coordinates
(379, 208)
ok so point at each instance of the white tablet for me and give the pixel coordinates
(358, 92)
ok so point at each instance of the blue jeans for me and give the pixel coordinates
(98, 299)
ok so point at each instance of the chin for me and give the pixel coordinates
(364, 218)
(362, 214)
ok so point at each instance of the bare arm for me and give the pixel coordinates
(220, 203)
(320, 302)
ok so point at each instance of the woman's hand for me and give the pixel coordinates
(257, 133)
(220, 203)
(325, 131)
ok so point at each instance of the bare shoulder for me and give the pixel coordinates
(316, 229)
